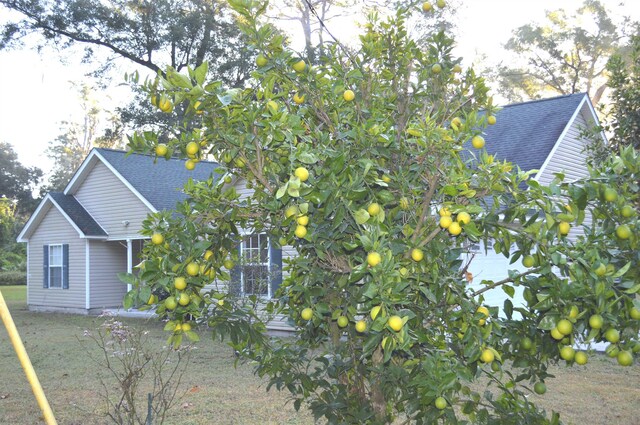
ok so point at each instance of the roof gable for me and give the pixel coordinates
(71, 210)
(156, 182)
(526, 133)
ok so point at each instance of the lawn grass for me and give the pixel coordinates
(599, 393)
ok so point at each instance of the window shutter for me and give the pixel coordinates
(45, 266)
(65, 266)
(275, 266)
(235, 283)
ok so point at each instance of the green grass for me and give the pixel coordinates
(599, 393)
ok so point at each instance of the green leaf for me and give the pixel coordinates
(549, 321)
(129, 299)
(622, 271)
(282, 190)
(200, 73)
(361, 216)
(193, 337)
(509, 290)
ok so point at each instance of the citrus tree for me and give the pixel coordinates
(371, 167)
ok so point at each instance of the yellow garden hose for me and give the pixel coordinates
(26, 363)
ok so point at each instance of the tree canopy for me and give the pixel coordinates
(370, 169)
(565, 54)
(151, 34)
(17, 182)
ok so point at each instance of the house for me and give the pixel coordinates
(543, 135)
(78, 240)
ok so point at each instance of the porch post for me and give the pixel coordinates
(129, 261)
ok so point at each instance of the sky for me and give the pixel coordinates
(36, 88)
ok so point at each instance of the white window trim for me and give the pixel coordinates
(61, 267)
(268, 295)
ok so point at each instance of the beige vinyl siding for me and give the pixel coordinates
(111, 203)
(55, 229)
(569, 157)
(107, 260)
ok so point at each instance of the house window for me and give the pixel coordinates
(259, 271)
(254, 270)
(56, 266)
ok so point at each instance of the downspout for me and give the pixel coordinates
(87, 275)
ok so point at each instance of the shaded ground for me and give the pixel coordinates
(599, 393)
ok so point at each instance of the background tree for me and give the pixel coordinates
(71, 147)
(566, 54)
(148, 34)
(625, 96)
(362, 164)
(17, 182)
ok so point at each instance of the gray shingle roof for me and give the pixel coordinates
(78, 214)
(159, 181)
(525, 133)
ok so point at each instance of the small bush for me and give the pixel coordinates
(13, 278)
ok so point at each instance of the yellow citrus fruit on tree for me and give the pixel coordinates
(186, 327)
(348, 95)
(208, 254)
(261, 61)
(299, 66)
(456, 68)
(152, 299)
(165, 105)
(192, 148)
(157, 239)
(581, 358)
(441, 4)
(180, 283)
(417, 254)
(404, 203)
(301, 231)
(491, 120)
(612, 335)
(477, 142)
(373, 259)
(426, 6)
(170, 303)
(528, 261)
(610, 195)
(306, 313)
(228, 264)
(627, 211)
(567, 353)
(634, 313)
(193, 269)
(190, 165)
(374, 209)
(596, 321)
(463, 217)
(395, 323)
(436, 68)
(301, 173)
(564, 228)
(445, 221)
(556, 334)
(298, 98)
(487, 355)
(184, 299)
(483, 310)
(361, 326)
(540, 388)
(303, 220)
(440, 403)
(623, 231)
(161, 149)
(444, 211)
(454, 229)
(564, 327)
(625, 358)
(342, 321)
